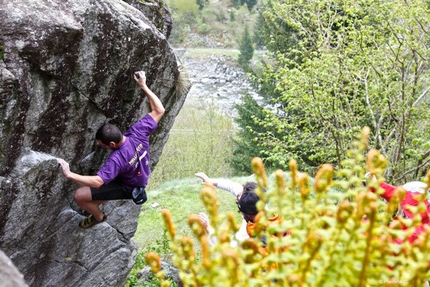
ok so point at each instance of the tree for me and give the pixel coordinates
(232, 16)
(258, 28)
(202, 3)
(236, 3)
(246, 49)
(245, 146)
(342, 65)
(250, 3)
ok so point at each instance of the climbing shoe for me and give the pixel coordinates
(90, 221)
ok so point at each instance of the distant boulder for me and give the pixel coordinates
(171, 274)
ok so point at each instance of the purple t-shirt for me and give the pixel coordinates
(130, 163)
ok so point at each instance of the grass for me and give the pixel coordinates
(182, 198)
(200, 52)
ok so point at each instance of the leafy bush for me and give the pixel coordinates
(330, 243)
(336, 68)
(203, 28)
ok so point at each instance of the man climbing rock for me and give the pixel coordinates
(125, 173)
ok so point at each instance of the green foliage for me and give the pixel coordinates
(182, 198)
(199, 140)
(236, 3)
(218, 22)
(203, 28)
(232, 17)
(249, 3)
(160, 246)
(132, 280)
(245, 145)
(338, 66)
(339, 233)
(1, 53)
(202, 3)
(246, 49)
(258, 30)
(184, 8)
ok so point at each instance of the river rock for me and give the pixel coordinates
(217, 81)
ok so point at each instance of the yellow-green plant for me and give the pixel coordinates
(339, 233)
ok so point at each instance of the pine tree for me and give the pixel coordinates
(245, 147)
(202, 3)
(232, 16)
(236, 3)
(259, 32)
(246, 49)
(250, 3)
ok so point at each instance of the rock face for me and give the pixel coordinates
(65, 68)
(9, 275)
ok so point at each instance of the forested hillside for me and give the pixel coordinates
(211, 23)
(333, 68)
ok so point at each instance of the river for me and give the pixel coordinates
(216, 79)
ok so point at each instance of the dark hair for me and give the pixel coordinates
(248, 202)
(249, 186)
(109, 133)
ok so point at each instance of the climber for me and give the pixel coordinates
(125, 173)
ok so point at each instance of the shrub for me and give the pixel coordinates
(203, 28)
(329, 242)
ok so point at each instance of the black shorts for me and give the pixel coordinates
(111, 191)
